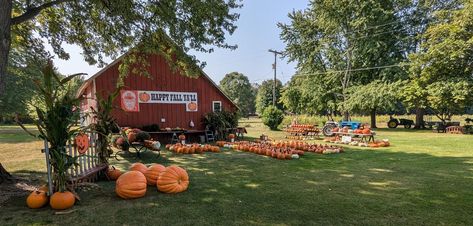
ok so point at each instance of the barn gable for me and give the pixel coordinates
(162, 78)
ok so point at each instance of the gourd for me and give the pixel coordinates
(37, 199)
(153, 172)
(138, 166)
(62, 200)
(173, 179)
(131, 185)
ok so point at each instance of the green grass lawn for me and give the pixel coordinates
(424, 178)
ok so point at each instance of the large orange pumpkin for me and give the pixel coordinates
(62, 200)
(138, 166)
(131, 185)
(153, 172)
(113, 173)
(173, 180)
(37, 199)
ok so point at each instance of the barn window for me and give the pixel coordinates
(216, 106)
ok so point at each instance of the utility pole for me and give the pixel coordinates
(274, 67)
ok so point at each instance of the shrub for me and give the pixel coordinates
(272, 117)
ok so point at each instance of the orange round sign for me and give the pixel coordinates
(192, 106)
(82, 143)
(144, 97)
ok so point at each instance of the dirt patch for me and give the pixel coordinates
(17, 187)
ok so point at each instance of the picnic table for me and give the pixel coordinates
(302, 131)
(363, 137)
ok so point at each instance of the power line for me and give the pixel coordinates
(357, 69)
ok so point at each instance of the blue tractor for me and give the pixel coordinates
(330, 125)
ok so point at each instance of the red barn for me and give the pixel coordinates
(166, 97)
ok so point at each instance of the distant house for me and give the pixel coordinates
(166, 98)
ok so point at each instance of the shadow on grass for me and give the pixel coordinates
(357, 187)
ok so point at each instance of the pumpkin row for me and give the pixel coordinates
(133, 184)
(316, 148)
(192, 148)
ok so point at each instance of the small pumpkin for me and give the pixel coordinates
(231, 136)
(366, 131)
(152, 173)
(37, 199)
(43, 188)
(138, 166)
(62, 200)
(113, 173)
(173, 179)
(132, 137)
(131, 185)
(182, 137)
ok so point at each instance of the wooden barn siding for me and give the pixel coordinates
(162, 79)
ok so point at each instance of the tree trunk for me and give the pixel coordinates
(419, 118)
(373, 118)
(4, 174)
(5, 40)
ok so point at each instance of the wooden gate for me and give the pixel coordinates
(89, 167)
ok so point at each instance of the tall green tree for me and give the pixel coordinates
(239, 89)
(108, 28)
(442, 70)
(264, 98)
(418, 15)
(334, 41)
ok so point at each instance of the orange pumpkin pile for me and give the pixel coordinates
(133, 184)
(192, 148)
(285, 150)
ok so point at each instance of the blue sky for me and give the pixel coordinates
(257, 32)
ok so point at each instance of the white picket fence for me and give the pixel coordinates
(88, 168)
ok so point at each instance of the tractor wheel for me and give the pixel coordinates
(327, 130)
(408, 126)
(392, 124)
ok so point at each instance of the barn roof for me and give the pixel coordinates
(88, 81)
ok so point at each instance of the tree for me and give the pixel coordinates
(238, 88)
(107, 28)
(373, 97)
(272, 117)
(339, 43)
(442, 72)
(264, 98)
(418, 15)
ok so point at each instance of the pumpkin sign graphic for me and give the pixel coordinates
(192, 106)
(144, 97)
(82, 143)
